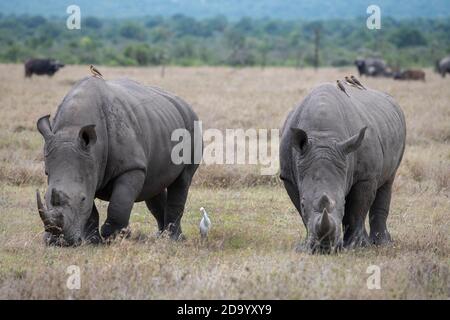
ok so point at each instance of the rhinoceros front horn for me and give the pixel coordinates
(41, 209)
(325, 227)
(43, 213)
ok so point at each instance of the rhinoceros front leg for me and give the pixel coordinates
(357, 204)
(91, 230)
(126, 189)
(293, 194)
(292, 191)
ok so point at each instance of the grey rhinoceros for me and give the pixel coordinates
(443, 66)
(112, 140)
(338, 158)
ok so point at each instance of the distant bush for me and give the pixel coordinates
(35, 21)
(14, 53)
(183, 40)
(132, 31)
(93, 22)
(405, 37)
(144, 54)
(341, 62)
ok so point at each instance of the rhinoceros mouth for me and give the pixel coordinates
(54, 233)
(324, 247)
(324, 237)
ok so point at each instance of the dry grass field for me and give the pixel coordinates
(250, 252)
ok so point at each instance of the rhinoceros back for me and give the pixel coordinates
(142, 120)
(387, 129)
(330, 113)
(134, 124)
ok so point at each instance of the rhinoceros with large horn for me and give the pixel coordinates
(339, 153)
(112, 140)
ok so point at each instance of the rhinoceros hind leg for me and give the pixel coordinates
(157, 206)
(177, 194)
(357, 205)
(378, 215)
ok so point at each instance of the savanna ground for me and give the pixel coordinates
(250, 251)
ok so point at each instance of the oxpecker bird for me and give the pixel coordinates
(95, 72)
(205, 224)
(356, 81)
(341, 87)
(350, 82)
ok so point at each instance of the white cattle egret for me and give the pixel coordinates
(205, 223)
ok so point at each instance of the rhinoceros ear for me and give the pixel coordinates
(87, 136)
(299, 139)
(352, 143)
(43, 126)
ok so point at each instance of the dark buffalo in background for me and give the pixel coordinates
(372, 67)
(410, 74)
(443, 66)
(42, 67)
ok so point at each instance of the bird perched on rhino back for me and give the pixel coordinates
(341, 87)
(95, 72)
(338, 160)
(357, 82)
(350, 82)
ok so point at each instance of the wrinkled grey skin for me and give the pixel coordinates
(338, 159)
(372, 67)
(443, 66)
(112, 140)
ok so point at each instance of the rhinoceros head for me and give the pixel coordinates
(322, 167)
(69, 166)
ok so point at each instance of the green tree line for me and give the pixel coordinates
(181, 40)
